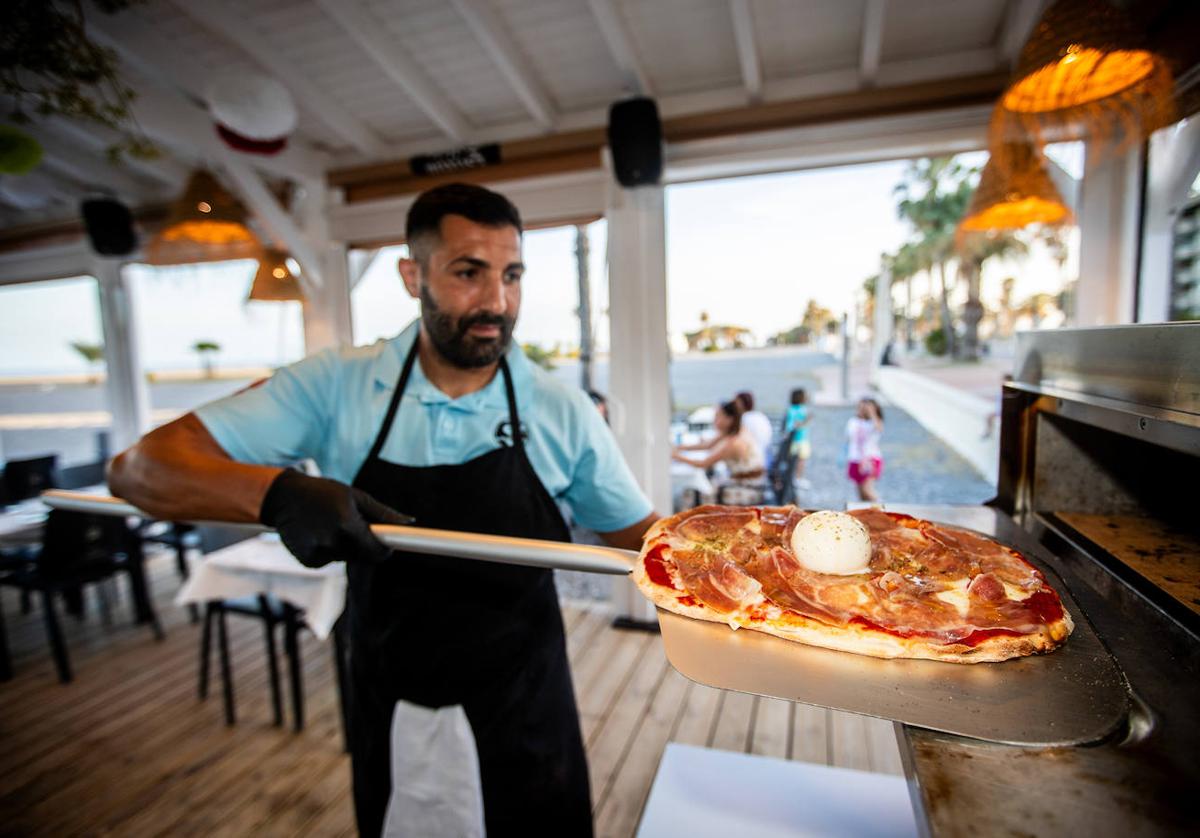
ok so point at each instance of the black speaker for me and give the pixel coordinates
(109, 226)
(635, 138)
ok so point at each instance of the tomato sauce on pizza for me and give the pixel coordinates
(929, 590)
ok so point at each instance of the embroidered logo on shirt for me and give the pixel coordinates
(504, 433)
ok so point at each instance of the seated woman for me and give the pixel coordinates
(732, 445)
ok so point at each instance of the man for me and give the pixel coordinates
(756, 423)
(462, 712)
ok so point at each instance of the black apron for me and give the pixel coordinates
(437, 632)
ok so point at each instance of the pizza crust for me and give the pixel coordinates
(856, 639)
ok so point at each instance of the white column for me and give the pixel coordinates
(128, 397)
(881, 332)
(638, 361)
(327, 320)
(1172, 166)
(1109, 207)
(327, 308)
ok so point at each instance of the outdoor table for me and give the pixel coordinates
(21, 524)
(262, 565)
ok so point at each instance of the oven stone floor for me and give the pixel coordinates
(127, 748)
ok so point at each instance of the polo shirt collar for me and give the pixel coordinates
(391, 361)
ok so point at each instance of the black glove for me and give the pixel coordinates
(322, 521)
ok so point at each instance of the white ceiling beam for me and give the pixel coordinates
(173, 121)
(99, 139)
(872, 41)
(90, 170)
(372, 35)
(620, 45)
(747, 49)
(54, 262)
(491, 32)
(233, 26)
(37, 189)
(279, 225)
(1019, 20)
(170, 117)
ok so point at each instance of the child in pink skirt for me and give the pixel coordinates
(864, 457)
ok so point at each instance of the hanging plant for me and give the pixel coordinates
(50, 67)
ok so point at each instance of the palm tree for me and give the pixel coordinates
(973, 250)
(93, 353)
(906, 263)
(933, 197)
(206, 349)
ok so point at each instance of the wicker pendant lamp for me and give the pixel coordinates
(274, 280)
(206, 224)
(1014, 190)
(1086, 73)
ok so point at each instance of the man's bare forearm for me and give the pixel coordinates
(179, 473)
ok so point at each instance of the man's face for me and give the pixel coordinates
(470, 290)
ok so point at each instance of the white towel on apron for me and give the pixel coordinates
(436, 789)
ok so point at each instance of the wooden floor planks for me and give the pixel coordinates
(128, 748)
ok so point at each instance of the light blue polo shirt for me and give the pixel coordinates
(330, 406)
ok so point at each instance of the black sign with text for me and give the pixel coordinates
(469, 157)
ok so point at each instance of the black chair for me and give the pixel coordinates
(29, 478)
(273, 613)
(783, 468)
(78, 550)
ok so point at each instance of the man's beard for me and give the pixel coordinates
(451, 340)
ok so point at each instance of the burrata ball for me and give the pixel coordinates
(832, 542)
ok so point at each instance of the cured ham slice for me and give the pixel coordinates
(931, 590)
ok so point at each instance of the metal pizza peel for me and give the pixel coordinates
(1072, 696)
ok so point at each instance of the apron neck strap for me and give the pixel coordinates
(514, 417)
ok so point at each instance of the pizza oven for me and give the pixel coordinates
(1099, 466)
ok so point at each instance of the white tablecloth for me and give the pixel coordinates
(262, 565)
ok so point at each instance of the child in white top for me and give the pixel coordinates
(865, 459)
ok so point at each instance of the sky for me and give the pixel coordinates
(748, 251)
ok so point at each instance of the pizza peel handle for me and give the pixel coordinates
(488, 548)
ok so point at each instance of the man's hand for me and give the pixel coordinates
(322, 521)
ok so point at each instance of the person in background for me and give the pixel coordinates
(600, 402)
(733, 445)
(755, 422)
(865, 458)
(795, 424)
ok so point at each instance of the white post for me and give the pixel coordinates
(1172, 166)
(638, 360)
(881, 333)
(128, 397)
(1109, 207)
(327, 321)
(327, 308)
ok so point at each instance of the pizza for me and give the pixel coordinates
(869, 582)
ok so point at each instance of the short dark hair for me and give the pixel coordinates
(734, 411)
(483, 206)
(799, 396)
(746, 399)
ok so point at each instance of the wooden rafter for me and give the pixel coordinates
(232, 26)
(370, 34)
(579, 150)
(496, 39)
(747, 49)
